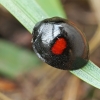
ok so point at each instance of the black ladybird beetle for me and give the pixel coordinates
(59, 43)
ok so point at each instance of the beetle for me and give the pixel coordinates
(59, 43)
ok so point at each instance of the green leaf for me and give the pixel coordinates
(15, 61)
(52, 6)
(90, 73)
(29, 12)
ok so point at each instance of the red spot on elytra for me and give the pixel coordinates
(59, 46)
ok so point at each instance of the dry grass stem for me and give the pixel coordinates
(95, 41)
(3, 97)
(71, 89)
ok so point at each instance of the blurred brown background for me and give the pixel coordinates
(47, 83)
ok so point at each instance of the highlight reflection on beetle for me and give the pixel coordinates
(60, 44)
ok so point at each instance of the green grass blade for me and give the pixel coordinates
(52, 7)
(25, 12)
(89, 73)
(15, 61)
(29, 12)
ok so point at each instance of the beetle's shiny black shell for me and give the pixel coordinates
(46, 32)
